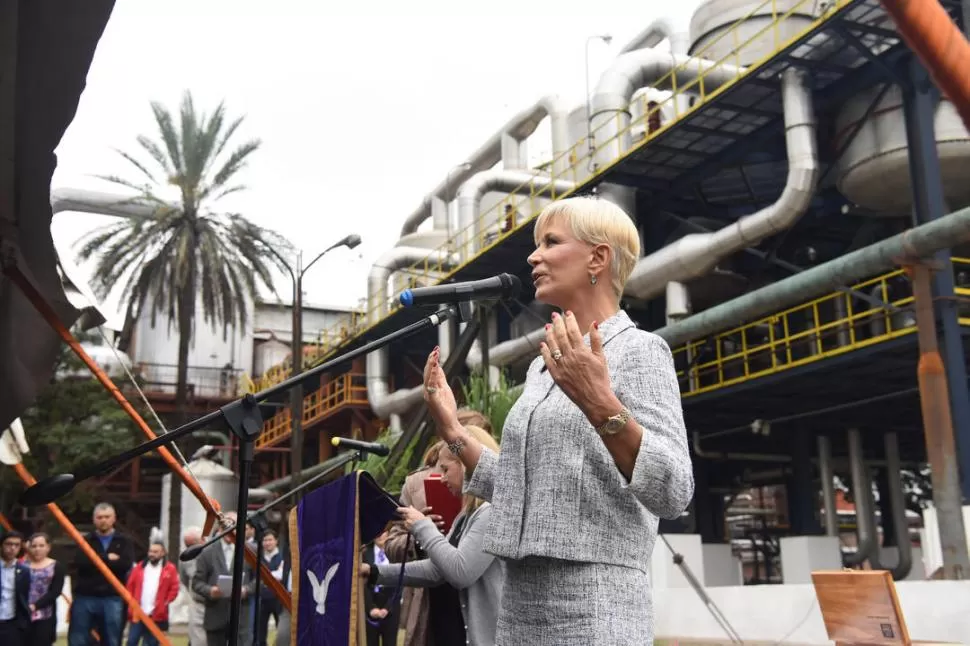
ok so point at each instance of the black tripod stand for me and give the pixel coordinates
(244, 419)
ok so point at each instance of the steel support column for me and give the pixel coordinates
(920, 100)
(802, 496)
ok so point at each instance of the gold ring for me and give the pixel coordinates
(431, 389)
(556, 354)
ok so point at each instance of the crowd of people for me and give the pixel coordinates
(31, 583)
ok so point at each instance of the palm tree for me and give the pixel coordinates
(185, 252)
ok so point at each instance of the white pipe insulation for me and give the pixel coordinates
(644, 68)
(472, 191)
(695, 255)
(382, 401)
(512, 134)
(659, 30)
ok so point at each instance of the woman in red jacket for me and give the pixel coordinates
(154, 583)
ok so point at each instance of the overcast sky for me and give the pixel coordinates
(360, 115)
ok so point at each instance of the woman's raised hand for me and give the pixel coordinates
(438, 394)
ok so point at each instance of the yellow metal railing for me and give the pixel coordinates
(527, 201)
(345, 390)
(819, 329)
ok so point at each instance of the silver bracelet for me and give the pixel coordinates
(456, 446)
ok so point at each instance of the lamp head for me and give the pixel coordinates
(351, 241)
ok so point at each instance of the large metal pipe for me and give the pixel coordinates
(507, 352)
(610, 117)
(827, 476)
(868, 541)
(488, 154)
(472, 191)
(897, 505)
(82, 201)
(918, 242)
(383, 402)
(696, 254)
(661, 29)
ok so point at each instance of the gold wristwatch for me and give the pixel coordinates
(615, 423)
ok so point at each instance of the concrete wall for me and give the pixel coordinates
(934, 611)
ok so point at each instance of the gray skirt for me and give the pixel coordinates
(564, 603)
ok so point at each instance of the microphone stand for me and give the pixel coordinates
(244, 419)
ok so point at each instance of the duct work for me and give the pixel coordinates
(658, 31)
(919, 242)
(610, 119)
(695, 255)
(471, 193)
(508, 138)
(382, 401)
(81, 201)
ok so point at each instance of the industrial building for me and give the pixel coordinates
(772, 159)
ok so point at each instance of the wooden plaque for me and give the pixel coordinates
(860, 607)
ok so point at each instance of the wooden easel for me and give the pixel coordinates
(860, 607)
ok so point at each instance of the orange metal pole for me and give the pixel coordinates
(211, 506)
(927, 29)
(5, 523)
(96, 560)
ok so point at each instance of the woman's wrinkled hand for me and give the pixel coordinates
(439, 395)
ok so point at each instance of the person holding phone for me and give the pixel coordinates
(457, 559)
(594, 451)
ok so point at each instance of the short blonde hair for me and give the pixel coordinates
(596, 221)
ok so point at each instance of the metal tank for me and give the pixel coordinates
(874, 170)
(217, 481)
(768, 25)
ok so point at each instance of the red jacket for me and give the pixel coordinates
(168, 589)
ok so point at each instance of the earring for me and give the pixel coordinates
(592, 279)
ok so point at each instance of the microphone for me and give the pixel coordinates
(503, 286)
(367, 447)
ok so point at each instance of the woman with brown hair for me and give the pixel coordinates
(46, 584)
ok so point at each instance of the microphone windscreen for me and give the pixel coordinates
(47, 490)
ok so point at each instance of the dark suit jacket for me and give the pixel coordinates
(211, 564)
(22, 593)
(88, 580)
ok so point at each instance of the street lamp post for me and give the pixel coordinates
(296, 393)
(606, 38)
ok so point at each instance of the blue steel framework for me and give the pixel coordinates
(727, 159)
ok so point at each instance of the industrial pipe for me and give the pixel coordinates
(696, 254)
(922, 241)
(610, 116)
(488, 154)
(927, 30)
(383, 402)
(658, 31)
(82, 201)
(867, 543)
(897, 506)
(506, 181)
(507, 352)
(827, 476)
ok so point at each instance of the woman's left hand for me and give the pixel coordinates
(579, 370)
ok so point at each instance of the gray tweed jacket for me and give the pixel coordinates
(555, 489)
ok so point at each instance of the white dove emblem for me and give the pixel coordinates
(320, 590)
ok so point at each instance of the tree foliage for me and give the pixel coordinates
(73, 422)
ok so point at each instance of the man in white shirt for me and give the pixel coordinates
(14, 588)
(154, 582)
